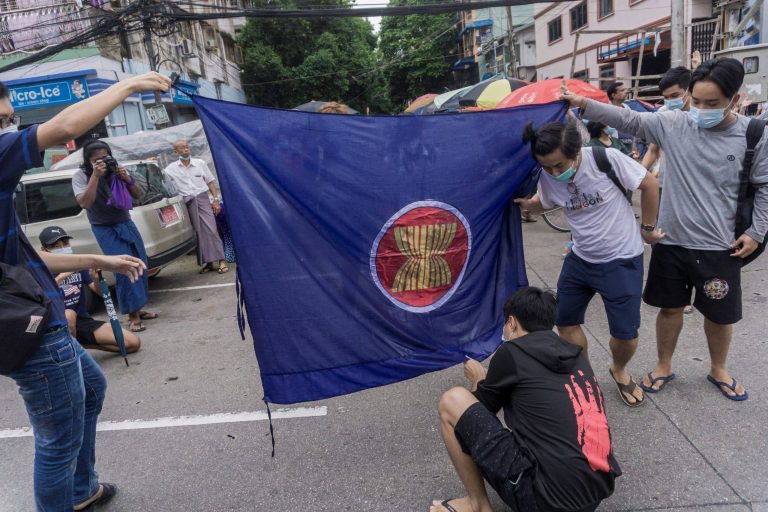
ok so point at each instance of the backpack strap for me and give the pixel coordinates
(601, 158)
(755, 131)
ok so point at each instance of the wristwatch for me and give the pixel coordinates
(647, 227)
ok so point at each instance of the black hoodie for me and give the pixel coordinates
(554, 407)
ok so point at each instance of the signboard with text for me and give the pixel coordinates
(46, 94)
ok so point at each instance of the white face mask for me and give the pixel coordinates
(504, 336)
(62, 250)
(9, 129)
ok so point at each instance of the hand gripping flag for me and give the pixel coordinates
(371, 249)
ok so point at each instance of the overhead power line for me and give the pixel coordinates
(365, 12)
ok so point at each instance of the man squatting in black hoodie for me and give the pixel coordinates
(556, 455)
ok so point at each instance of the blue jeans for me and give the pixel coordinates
(63, 390)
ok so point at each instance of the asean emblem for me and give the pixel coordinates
(420, 255)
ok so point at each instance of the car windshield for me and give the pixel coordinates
(152, 183)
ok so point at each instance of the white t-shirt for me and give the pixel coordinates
(602, 221)
(189, 180)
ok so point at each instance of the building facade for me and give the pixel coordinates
(203, 53)
(484, 46)
(597, 40)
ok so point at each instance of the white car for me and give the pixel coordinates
(46, 199)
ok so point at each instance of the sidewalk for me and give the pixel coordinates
(688, 448)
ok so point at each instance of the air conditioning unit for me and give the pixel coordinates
(210, 44)
(187, 48)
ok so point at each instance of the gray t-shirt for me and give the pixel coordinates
(701, 174)
(100, 213)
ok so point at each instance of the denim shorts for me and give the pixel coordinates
(619, 283)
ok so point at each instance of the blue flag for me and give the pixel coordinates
(371, 249)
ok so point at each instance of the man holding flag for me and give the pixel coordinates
(62, 387)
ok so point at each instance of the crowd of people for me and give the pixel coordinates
(555, 452)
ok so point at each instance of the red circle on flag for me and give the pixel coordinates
(420, 255)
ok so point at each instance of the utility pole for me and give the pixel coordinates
(677, 32)
(145, 22)
(511, 43)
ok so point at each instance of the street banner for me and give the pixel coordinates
(371, 249)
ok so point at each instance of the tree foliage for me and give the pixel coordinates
(417, 52)
(292, 61)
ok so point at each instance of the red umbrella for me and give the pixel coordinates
(548, 91)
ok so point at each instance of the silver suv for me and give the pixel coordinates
(46, 198)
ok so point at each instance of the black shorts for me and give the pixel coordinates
(85, 328)
(674, 272)
(498, 455)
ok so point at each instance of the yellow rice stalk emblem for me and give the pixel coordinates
(425, 247)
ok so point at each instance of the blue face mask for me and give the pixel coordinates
(674, 104)
(185, 158)
(62, 250)
(708, 117)
(611, 131)
(566, 175)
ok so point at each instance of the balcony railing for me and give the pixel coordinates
(624, 47)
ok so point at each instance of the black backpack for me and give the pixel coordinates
(601, 159)
(24, 314)
(746, 204)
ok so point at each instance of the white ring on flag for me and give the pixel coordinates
(385, 229)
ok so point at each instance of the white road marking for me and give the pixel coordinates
(186, 421)
(186, 288)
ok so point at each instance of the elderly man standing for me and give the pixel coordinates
(194, 180)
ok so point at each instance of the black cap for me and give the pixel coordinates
(53, 234)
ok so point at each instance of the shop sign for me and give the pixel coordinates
(47, 94)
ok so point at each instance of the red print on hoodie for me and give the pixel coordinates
(592, 425)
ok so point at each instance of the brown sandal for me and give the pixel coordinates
(628, 389)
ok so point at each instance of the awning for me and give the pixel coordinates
(459, 64)
(621, 49)
(475, 24)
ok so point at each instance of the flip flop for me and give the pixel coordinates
(148, 316)
(447, 506)
(653, 380)
(107, 494)
(206, 269)
(223, 270)
(720, 385)
(628, 389)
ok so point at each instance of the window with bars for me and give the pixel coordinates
(604, 8)
(607, 75)
(555, 30)
(579, 16)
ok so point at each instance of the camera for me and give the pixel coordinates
(111, 164)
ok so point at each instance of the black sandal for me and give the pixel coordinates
(447, 506)
(108, 492)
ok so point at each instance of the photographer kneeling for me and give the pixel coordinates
(105, 190)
